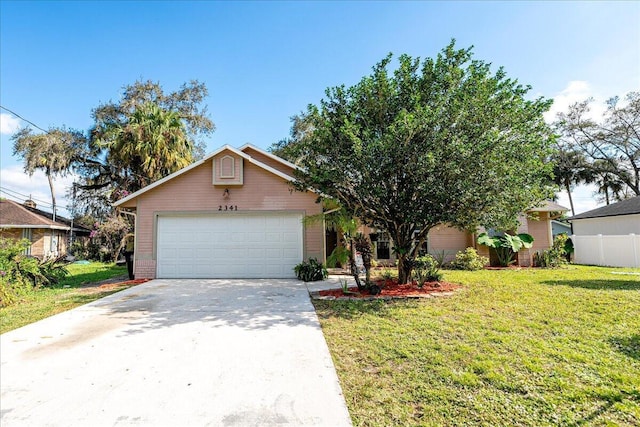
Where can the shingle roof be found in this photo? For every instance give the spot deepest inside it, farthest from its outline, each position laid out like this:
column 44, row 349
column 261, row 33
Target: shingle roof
column 549, row 206
column 626, row 207
column 13, row 214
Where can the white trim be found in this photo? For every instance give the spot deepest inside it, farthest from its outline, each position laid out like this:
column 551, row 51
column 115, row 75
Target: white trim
column 200, row 162
column 271, row 156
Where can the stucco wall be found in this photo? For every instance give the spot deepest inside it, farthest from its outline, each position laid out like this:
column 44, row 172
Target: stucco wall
column 193, row 191
column 540, row 228
column 448, row 240
column 612, row 225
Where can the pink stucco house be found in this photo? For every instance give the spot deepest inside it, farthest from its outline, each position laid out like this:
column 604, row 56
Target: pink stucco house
column 232, row 214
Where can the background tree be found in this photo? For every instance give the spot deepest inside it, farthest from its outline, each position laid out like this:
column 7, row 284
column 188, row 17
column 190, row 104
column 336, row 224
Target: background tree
column 293, row 148
column 608, row 184
column 54, row 152
column 444, row 140
column 611, row 145
column 570, row 168
column 144, row 137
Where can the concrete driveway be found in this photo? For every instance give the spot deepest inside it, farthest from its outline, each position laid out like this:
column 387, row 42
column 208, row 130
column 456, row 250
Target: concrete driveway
column 175, row 353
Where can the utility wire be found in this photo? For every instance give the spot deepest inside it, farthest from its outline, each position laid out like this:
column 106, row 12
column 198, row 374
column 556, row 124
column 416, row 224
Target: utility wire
column 17, row 195
column 22, row 118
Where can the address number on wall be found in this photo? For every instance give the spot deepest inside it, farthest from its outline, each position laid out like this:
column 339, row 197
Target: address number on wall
column 228, row 208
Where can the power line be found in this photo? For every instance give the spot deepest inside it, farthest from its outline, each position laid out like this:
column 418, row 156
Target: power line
column 22, row 118
column 17, row 194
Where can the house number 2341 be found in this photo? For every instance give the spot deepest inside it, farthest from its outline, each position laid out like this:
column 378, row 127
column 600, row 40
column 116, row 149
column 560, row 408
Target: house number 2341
column 228, row 208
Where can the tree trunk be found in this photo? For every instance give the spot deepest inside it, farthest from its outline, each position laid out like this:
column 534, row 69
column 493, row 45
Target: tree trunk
column 405, row 266
column 353, row 266
column 567, row 185
column 53, row 194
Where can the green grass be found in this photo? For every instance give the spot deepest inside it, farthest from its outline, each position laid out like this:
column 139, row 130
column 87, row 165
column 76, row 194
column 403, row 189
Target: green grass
column 45, row 302
column 514, row 347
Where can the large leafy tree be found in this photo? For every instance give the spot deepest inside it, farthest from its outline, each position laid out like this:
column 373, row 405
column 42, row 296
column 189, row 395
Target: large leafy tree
column 144, row 137
column 54, row 152
column 611, row 144
column 443, row 140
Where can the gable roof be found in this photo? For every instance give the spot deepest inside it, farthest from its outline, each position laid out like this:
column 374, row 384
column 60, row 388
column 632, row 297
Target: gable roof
column 270, row 155
column 204, row 160
column 16, row 215
column 626, row 207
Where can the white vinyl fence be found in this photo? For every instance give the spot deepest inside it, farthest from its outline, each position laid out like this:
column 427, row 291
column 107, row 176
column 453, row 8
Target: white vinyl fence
column 612, row 251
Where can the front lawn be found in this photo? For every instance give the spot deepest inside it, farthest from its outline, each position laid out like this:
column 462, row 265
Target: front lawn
column 514, row 347
column 68, row 294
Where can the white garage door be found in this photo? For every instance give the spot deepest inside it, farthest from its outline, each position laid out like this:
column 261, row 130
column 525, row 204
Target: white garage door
column 233, row 245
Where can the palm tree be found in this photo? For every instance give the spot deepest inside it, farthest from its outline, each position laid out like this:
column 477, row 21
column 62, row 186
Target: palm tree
column 570, row 168
column 53, row 152
column 607, row 182
column 150, row 145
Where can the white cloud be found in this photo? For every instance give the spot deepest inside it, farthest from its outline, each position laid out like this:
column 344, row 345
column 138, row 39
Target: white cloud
column 17, row 185
column 576, row 91
column 8, row 124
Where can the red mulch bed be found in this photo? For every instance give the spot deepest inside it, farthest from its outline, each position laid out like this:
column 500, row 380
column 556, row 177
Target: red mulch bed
column 119, row 284
column 391, row 288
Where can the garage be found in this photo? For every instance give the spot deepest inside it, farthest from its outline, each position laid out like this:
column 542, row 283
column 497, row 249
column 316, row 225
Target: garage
column 229, row 245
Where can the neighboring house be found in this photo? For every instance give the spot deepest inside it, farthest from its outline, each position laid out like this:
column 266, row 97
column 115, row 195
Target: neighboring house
column 445, row 241
column 609, row 235
column 232, row 214
column 619, row 218
column 560, row 227
column 48, row 237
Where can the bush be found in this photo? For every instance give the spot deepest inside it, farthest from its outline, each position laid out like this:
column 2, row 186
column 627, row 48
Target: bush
column 311, row 271
column 12, row 281
column 469, row 260
column 426, row 269
column 19, row 273
column 554, row 257
column 107, row 239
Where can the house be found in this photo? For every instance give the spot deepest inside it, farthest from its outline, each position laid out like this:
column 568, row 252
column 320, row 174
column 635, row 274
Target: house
column 232, row 214
column 560, row 227
column 445, row 241
column 619, row 218
column 609, row 235
column 48, row 237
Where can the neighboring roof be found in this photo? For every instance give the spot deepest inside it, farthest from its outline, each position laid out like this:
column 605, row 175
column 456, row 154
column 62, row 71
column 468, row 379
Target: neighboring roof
column 204, row 160
column 549, row 206
column 626, row 207
column 16, row 215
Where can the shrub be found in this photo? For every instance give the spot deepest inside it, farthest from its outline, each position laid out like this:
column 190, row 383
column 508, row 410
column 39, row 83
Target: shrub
column 554, row 257
column 506, row 245
column 426, row 269
column 19, row 273
column 311, row 271
column 12, row 281
column 107, row 239
column 469, row 260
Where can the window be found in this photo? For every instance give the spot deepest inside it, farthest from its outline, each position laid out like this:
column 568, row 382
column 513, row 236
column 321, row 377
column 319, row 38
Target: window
column 26, row 234
column 383, row 248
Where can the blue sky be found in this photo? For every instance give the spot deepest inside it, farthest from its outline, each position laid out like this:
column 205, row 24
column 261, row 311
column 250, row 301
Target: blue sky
column 265, row 61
